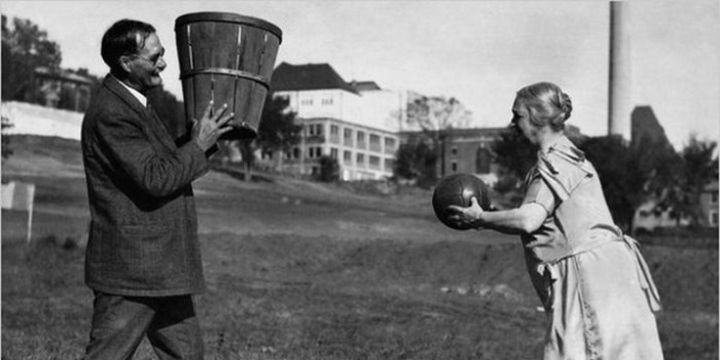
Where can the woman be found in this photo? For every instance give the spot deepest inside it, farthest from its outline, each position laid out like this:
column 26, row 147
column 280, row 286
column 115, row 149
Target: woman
column 592, row 280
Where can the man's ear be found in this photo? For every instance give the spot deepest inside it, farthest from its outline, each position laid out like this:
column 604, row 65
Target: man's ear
column 125, row 63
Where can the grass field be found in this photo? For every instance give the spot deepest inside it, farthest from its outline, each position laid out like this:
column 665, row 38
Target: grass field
column 299, row 270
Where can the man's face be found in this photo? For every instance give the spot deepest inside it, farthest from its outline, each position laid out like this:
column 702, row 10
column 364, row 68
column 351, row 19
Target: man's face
column 145, row 67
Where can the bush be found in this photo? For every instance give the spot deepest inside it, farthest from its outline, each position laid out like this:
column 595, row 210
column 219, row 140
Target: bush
column 329, row 169
column 680, row 237
column 686, row 232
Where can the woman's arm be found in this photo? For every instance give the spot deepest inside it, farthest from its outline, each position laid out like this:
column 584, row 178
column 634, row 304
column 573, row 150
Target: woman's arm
column 524, row 219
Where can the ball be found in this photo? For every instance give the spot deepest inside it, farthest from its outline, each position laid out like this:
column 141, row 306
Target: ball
column 458, row 189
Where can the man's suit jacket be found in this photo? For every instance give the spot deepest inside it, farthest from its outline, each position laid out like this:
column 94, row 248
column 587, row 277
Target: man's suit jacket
column 143, row 232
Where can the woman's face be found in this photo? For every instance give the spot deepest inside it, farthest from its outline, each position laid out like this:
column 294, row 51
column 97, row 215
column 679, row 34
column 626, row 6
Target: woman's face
column 521, row 122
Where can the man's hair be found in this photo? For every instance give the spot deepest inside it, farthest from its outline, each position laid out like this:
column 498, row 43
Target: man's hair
column 125, row 37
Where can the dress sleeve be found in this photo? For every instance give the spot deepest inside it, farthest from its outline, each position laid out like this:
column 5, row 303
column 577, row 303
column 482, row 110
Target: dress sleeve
column 537, row 191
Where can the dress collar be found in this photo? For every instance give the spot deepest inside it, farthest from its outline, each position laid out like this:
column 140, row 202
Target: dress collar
column 562, row 148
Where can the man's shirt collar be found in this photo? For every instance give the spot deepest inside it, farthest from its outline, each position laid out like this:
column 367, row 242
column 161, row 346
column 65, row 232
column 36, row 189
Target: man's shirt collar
column 141, row 98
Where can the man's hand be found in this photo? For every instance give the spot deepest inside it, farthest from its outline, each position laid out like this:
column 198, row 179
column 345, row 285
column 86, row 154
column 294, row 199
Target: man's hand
column 467, row 216
column 206, row 131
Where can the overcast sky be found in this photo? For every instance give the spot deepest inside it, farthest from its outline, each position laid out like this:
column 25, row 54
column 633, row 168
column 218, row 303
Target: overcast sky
column 479, row 52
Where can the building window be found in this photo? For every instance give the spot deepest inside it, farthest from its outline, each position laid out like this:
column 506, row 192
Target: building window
column 326, row 101
column 334, row 134
column 390, row 144
column 334, row 153
column 306, row 101
column 315, row 129
column 314, row 152
column 374, row 162
column 347, row 137
column 296, row 153
column 347, row 157
column 375, row 142
column 360, row 140
column 389, row 164
column 454, row 151
column 360, row 159
column 714, row 218
column 714, row 198
column 453, row 166
column 483, row 158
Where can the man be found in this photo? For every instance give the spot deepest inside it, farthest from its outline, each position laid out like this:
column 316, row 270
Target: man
column 143, row 257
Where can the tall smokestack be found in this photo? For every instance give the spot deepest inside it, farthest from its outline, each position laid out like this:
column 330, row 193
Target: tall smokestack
column 620, row 82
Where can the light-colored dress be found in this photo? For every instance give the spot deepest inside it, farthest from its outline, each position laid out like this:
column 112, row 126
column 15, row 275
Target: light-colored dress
column 594, row 284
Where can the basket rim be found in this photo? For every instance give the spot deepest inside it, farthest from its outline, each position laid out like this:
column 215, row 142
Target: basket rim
column 228, row 17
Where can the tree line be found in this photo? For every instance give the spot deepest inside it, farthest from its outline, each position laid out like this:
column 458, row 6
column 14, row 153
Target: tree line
column 632, row 172
column 26, row 47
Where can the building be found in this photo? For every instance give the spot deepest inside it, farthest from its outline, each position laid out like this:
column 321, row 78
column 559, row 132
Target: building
column 34, row 119
column 62, row 89
column 464, row 151
column 353, row 122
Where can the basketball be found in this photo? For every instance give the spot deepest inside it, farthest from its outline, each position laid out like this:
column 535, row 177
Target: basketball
column 458, row 189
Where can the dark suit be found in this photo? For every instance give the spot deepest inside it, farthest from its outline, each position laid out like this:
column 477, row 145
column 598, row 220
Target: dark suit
column 143, row 245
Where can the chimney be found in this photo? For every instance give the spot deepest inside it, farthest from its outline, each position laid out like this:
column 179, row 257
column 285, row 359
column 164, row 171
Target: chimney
column 620, row 82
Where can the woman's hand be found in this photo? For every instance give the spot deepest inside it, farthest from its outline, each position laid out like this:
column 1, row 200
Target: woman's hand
column 470, row 216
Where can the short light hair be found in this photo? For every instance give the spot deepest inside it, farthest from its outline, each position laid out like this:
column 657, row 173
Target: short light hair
column 546, row 103
column 125, row 37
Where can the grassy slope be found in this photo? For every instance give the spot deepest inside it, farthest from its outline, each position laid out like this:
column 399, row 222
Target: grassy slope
column 299, row 270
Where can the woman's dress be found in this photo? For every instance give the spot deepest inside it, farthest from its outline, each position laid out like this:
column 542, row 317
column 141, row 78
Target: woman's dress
column 595, row 286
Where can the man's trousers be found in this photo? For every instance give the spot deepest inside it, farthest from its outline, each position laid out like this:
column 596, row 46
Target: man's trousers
column 119, row 324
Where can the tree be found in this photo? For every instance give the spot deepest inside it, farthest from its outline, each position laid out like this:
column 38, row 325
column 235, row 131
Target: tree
column 620, row 176
column 278, row 132
column 24, row 48
column 515, row 155
column 435, row 113
column 329, row 169
column 432, row 116
column 416, row 161
column 631, row 174
column 699, row 168
column 246, row 147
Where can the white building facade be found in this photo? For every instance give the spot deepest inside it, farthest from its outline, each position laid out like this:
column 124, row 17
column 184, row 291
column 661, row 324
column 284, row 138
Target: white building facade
column 355, row 123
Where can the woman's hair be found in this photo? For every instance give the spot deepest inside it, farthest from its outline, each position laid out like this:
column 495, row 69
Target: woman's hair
column 546, row 104
column 125, row 37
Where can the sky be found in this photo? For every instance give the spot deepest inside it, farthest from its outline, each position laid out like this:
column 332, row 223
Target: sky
column 480, row 52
